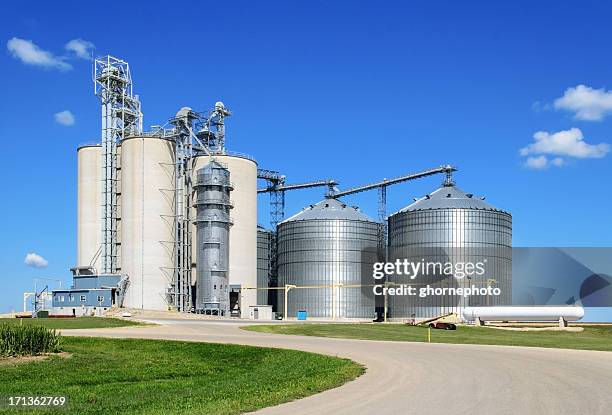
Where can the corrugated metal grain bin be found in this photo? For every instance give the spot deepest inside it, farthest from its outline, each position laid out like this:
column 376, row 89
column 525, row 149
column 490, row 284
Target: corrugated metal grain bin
column 450, row 225
column 327, row 244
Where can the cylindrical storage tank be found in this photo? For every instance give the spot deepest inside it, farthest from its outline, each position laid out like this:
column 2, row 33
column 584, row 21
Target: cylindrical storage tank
column 89, row 209
column 520, row 313
column 147, row 222
column 328, row 245
column 450, row 226
column 243, row 235
column 264, row 238
column 213, row 229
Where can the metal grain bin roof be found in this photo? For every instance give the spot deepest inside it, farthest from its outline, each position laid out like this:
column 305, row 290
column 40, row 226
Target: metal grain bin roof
column 330, row 209
column 449, row 197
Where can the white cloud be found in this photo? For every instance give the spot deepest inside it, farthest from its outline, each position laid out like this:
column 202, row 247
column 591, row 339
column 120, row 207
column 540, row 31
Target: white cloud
column 80, row 48
column 34, row 260
column 558, row 162
column 586, row 103
column 542, row 162
column 537, row 163
column 568, row 143
column 30, row 54
column 64, row 118
column 539, row 107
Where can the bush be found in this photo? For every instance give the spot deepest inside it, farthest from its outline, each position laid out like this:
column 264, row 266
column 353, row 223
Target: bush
column 27, row 340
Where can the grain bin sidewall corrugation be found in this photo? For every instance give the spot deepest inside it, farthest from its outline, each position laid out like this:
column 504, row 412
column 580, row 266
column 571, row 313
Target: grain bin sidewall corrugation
column 325, row 252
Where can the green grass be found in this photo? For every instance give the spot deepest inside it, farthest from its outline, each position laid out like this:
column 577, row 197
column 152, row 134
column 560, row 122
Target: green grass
column 71, row 323
column 110, row 376
column 592, row 338
column 27, row 340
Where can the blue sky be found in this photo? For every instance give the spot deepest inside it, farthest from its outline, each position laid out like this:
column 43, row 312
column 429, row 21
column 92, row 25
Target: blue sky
column 349, row 90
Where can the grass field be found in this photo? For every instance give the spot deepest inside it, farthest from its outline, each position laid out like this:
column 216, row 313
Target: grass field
column 111, row 376
column 72, row 323
column 592, row 338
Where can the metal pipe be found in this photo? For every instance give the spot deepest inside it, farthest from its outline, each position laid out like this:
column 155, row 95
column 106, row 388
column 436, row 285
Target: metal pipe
column 296, row 186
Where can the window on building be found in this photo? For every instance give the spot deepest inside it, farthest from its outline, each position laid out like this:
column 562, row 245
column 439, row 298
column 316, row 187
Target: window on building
column 100, row 298
column 70, row 297
column 61, row 298
column 83, row 298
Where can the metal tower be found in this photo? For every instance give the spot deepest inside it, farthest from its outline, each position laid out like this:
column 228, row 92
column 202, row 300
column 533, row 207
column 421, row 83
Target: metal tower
column 212, row 131
column 194, row 133
column 182, row 250
column 276, row 187
column 213, row 228
column 274, row 180
column 121, row 116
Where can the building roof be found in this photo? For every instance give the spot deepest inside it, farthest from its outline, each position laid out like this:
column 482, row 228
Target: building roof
column 330, row 209
column 449, row 197
column 213, row 164
column 81, row 290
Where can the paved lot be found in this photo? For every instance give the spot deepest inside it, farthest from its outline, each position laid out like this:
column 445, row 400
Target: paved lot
column 421, row 378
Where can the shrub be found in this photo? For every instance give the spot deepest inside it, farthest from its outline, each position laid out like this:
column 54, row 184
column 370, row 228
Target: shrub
column 27, row 340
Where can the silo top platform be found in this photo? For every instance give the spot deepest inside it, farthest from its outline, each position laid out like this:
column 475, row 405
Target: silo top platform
column 330, row 209
column 449, row 197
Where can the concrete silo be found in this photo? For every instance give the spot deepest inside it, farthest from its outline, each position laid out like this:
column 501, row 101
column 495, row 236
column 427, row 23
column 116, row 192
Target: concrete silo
column 330, row 246
column 136, row 209
column 451, row 226
column 147, row 229
column 89, row 205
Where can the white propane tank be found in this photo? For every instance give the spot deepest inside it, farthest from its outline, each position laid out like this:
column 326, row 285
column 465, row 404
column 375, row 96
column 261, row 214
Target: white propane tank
column 520, row 313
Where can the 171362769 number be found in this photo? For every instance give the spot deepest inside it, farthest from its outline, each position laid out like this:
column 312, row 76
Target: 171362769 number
column 34, row 401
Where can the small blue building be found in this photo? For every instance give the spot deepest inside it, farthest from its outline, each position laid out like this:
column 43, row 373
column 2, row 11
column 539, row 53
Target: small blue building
column 90, row 294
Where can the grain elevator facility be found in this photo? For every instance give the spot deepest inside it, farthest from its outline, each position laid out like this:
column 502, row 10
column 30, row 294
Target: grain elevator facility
column 141, row 203
column 170, row 215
